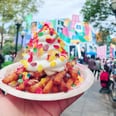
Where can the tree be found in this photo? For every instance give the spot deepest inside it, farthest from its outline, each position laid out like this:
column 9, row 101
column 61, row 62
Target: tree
column 97, row 13
column 102, row 36
column 114, row 41
column 11, row 9
column 9, row 47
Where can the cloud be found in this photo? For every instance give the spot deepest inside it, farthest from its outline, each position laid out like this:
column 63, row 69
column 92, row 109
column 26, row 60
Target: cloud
column 53, row 9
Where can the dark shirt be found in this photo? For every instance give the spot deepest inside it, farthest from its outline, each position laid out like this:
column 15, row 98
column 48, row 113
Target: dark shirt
column 1, row 60
column 91, row 64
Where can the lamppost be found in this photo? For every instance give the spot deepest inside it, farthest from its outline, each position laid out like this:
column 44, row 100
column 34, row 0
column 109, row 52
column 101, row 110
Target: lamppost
column 18, row 25
column 113, row 6
column 22, row 35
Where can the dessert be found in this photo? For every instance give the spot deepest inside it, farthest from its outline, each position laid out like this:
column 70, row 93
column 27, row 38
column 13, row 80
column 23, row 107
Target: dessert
column 45, row 52
column 45, row 66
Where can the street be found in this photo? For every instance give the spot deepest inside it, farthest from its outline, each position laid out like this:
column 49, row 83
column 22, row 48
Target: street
column 92, row 103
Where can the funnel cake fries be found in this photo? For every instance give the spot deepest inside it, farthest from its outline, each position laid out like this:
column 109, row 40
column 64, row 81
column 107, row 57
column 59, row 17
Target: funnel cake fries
column 40, row 82
column 45, row 67
column 10, row 78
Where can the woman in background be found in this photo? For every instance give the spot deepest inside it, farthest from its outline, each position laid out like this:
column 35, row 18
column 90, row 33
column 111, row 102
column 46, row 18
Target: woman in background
column 97, row 67
column 105, row 80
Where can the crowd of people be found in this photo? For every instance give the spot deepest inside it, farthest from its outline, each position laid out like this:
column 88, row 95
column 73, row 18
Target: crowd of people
column 105, row 71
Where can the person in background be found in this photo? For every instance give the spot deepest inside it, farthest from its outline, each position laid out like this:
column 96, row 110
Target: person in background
column 103, row 61
column 1, row 60
column 105, row 80
column 109, row 64
column 97, row 67
column 91, row 63
column 104, row 77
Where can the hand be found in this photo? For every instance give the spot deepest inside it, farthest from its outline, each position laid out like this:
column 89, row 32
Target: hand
column 13, row 106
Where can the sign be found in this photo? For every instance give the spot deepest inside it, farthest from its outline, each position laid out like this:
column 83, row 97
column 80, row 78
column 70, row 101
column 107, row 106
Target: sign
column 75, row 19
column 101, row 52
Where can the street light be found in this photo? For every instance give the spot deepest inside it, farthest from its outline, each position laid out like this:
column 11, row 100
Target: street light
column 18, row 24
column 113, row 6
column 22, row 35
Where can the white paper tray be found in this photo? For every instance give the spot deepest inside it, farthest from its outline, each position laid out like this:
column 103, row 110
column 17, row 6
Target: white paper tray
column 87, row 83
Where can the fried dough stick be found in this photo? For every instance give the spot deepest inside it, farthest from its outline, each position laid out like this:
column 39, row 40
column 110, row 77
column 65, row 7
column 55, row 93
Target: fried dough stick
column 55, row 88
column 63, row 86
column 58, row 77
column 26, row 84
column 74, row 74
column 34, row 87
column 40, row 84
column 69, row 83
column 21, row 86
column 12, row 77
column 48, row 87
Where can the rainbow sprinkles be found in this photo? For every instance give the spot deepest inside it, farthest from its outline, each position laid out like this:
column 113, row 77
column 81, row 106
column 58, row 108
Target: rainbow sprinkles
column 45, row 67
column 45, row 51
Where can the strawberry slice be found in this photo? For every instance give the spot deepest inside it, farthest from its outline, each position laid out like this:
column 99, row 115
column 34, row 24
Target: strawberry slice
column 50, row 40
column 56, row 46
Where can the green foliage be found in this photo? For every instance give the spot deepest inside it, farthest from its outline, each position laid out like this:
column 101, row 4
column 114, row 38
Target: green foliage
column 97, row 13
column 103, row 38
column 96, row 9
column 6, row 63
column 9, row 9
column 9, row 47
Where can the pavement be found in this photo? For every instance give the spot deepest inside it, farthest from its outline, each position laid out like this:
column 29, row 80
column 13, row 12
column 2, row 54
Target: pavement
column 92, row 103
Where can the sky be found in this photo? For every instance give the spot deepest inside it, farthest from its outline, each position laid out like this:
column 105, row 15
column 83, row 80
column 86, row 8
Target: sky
column 53, row 9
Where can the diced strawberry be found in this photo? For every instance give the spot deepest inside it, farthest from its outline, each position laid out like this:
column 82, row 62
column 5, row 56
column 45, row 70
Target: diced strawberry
column 49, row 40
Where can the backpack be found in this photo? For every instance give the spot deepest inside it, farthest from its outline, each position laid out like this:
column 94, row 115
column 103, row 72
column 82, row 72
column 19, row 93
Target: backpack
column 104, row 79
